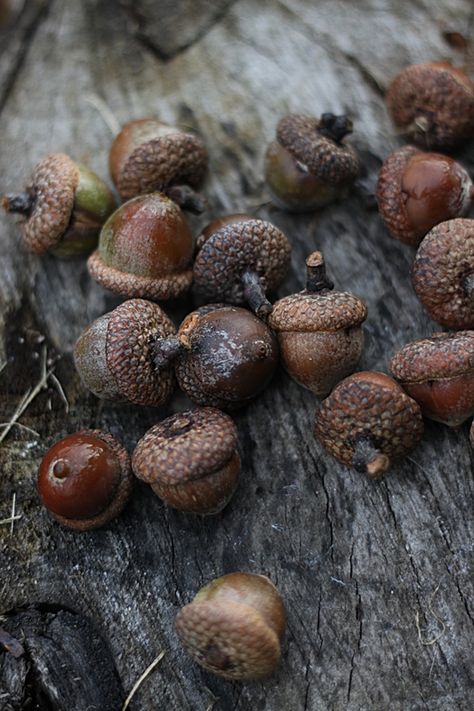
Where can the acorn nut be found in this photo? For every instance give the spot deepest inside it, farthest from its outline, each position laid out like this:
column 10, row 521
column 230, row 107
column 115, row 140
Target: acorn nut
column 433, row 104
column 240, row 261
column 443, row 273
column 114, row 355
column 145, row 250
column 191, row 460
column 85, row 480
column 234, row 626
column 368, row 423
column 224, row 356
column 438, row 372
column 309, row 164
column 319, row 330
column 417, row 191
column 148, row 156
column 63, row 207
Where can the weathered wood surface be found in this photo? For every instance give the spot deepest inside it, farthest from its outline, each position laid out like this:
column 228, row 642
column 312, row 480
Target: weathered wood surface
column 377, row 577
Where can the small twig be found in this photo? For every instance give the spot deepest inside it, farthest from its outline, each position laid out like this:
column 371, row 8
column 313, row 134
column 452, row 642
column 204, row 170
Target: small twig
column 3, row 366
column 140, row 681
column 107, row 116
column 13, row 516
column 22, row 427
column 61, row 392
column 429, row 642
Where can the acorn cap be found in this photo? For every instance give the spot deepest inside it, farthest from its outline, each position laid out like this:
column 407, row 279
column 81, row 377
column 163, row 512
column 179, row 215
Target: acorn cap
column 250, row 244
column 307, row 312
column 185, row 446
column 333, row 161
column 443, row 355
column 166, row 156
column 53, row 186
column 444, row 260
column 390, row 197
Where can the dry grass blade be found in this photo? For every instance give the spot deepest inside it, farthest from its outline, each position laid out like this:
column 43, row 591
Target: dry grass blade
column 106, row 114
column 140, row 681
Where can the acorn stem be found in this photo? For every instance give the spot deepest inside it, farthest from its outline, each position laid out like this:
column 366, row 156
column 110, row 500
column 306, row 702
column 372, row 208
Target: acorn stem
column 187, row 198
column 166, row 350
column 22, row 203
column 468, row 284
column 254, row 294
column 334, row 127
column 368, row 459
column 316, row 277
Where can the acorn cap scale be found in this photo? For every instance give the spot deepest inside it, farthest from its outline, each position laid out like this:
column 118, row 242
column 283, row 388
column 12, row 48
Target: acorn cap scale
column 308, row 312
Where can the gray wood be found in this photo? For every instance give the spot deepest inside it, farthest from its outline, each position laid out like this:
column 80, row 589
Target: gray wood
column 377, row 577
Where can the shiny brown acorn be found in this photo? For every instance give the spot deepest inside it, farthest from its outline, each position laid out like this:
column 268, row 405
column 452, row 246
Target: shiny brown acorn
column 368, row 423
column 319, row 330
column 433, row 104
column 443, row 273
column 438, row 372
column 224, row 356
column 239, row 259
column 145, row 250
column 417, row 191
column 234, row 626
column 85, row 480
column 63, row 207
column 148, row 156
column 114, row 355
column 190, row 460
column 310, row 164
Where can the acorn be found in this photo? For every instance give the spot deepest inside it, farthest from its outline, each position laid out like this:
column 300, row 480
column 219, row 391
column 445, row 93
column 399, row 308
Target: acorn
column 417, row 191
column 438, row 372
column 240, row 260
column 114, row 355
column 63, row 207
column 149, row 156
column 368, row 423
column 234, row 626
column 224, row 356
column 85, row 480
column 319, row 330
column 145, row 250
column 309, row 164
column 433, row 104
column 443, row 273
column 191, row 460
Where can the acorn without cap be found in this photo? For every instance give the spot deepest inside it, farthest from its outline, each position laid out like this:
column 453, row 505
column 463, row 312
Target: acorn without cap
column 239, row 259
column 190, row 460
column 417, row 191
column 438, row 372
column 368, row 423
column 309, row 164
column 114, row 355
column 63, row 206
column 234, row 626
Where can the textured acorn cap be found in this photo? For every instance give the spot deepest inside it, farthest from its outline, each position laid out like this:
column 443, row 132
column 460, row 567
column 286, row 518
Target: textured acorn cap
column 308, row 312
column 166, row 156
column 53, row 186
column 250, row 244
column 442, row 355
column 443, row 261
column 332, row 161
column 390, row 197
column 185, row 446
column 360, row 409
column 437, row 93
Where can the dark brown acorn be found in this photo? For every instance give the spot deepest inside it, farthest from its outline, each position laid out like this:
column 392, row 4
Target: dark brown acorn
column 438, row 372
column 191, row 460
column 114, row 355
column 443, row 273
column 417, row 191
column 145, row 250
column 224, row 356
column 240, row 261
column 319, row 330
column 234, row 626
column 368, row 423
column 85, row 479
column 310, row 165
column 433, row 104
column 63, row 207
column 148, row 156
